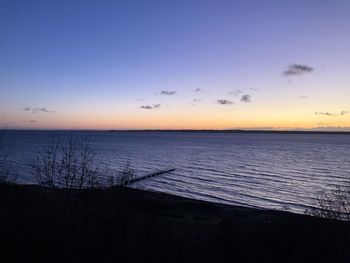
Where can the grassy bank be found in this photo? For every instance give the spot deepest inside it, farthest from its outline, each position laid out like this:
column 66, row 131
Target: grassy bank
column 128, row 225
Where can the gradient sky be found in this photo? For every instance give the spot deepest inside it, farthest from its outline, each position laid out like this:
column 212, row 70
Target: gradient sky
column 175, row 64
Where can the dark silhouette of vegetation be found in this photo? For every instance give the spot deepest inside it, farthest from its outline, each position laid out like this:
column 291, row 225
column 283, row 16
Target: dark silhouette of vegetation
column 4, row 172
column 73, row 164
column 124, row 176
column 334, row 204
column 68, row 165
column 7, row 174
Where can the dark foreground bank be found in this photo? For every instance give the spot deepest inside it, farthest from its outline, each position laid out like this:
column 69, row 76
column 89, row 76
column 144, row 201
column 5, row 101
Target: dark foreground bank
column 128, row 225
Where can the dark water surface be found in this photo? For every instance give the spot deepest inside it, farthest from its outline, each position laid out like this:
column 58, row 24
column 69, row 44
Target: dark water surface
column 267, row 170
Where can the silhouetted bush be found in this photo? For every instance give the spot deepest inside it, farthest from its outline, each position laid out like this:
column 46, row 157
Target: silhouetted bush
column 73, row 164
column 333, row 205
column 126, row 174
column 69, row 165
column 4, row 167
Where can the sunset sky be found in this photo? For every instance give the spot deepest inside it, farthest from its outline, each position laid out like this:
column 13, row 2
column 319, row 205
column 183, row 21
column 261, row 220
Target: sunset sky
column 175, row 64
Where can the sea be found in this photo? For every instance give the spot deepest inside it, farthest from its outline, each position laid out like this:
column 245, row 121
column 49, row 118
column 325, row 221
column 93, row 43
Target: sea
column 282, row 171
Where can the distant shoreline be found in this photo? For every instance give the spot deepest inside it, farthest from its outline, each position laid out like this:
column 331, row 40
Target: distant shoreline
column 192, row 131
column 240, row 131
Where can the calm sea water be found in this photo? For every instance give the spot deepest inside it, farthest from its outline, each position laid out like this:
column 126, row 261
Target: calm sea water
column 278, row 171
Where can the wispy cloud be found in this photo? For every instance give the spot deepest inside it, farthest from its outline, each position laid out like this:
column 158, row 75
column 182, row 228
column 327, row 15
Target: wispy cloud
column 331, row 114
column 224, row 102
column 235, row 92
column 324, row 113
column 198, row 90
column 303, row 97
column 253, row 89
column 238, row 92
column 195, row 102
column 146, row 107
column 297, row 69
column 168, row 92
column 246, row 98
column 32, row 121
column 36, row 110
column 150, row 107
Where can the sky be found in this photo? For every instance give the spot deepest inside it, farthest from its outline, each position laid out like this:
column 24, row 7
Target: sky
column 185, row 64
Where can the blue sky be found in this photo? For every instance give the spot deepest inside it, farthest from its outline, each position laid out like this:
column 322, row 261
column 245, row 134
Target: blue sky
column 104, row 64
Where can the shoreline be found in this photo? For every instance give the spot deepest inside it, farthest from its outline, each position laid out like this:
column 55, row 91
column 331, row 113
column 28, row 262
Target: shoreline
column 230, row 131
column 110, row 225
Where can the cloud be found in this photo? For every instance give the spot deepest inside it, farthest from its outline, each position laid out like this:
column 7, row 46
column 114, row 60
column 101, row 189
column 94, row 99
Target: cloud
column 195, row 102
column 168, row 92
column 303, row 97
column 342, row 113
column 235, row 92
column 324, row 113
column 36, row 110
column 43, row 110
column 253, row 89
column 150, row 107
column 238, row 92
column 224, row 102
column 297, row 70
column 246, row 98
column 199, row 90
column 146, row 107
column 32, row 121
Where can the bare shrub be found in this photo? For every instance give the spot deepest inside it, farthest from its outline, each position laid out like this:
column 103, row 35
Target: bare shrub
column 4, row 166
column 125, row 175
column 46, row 165
column 2, row 157
column 333, row 205
column 69, row 165
column 73, row 164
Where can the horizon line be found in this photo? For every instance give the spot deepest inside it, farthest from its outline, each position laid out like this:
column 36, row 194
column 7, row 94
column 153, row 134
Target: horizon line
column 297, row 130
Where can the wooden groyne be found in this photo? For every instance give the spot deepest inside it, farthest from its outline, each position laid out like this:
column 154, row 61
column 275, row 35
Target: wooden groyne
column 134, row 180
